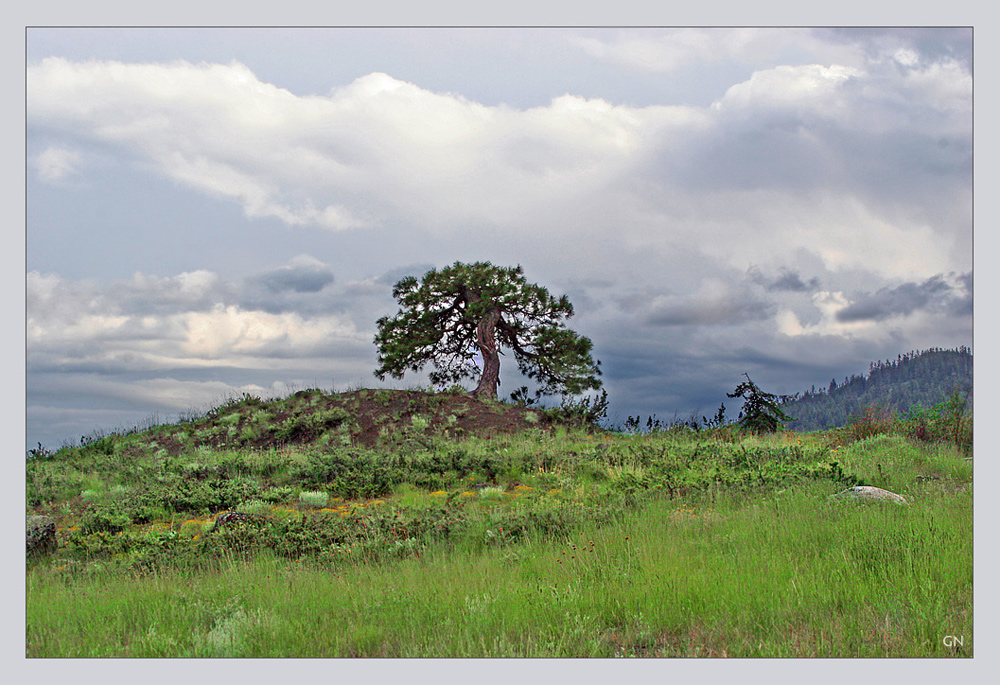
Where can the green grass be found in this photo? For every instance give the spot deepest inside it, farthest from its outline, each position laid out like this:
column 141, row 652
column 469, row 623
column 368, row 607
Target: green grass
column 786, row 574
column 559, row 544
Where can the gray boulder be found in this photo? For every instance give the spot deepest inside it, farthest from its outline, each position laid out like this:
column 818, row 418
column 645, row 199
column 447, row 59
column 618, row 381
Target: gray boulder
column 868, row 493
column 40, row 535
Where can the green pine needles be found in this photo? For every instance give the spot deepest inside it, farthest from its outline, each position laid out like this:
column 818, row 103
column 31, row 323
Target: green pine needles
column 463, row 310
column 761, row 411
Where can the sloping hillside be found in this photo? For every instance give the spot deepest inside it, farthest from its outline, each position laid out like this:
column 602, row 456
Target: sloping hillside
column 926, row 378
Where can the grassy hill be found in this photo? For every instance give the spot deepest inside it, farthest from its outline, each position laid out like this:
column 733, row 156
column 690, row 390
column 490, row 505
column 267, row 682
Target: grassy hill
column 409, row 523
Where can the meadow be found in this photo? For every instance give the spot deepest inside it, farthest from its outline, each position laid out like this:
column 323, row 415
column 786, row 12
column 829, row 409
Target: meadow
column 552, row 540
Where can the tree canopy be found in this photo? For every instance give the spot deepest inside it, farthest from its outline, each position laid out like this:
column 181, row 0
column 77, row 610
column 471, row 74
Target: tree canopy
column 464, row 309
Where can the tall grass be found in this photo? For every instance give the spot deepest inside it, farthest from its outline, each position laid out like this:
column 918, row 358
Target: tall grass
column 789, row 573
column 562, row 544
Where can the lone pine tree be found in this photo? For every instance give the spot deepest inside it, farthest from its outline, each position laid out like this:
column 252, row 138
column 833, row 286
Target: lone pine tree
column 465, row 309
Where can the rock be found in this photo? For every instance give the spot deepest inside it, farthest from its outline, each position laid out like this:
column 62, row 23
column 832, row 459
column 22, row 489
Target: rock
column 234, row 517
column 40, row 535
column 868, row 493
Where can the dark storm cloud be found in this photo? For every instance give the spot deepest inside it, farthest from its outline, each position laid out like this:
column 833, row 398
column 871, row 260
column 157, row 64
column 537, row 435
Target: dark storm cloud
column 786, row 281
column 709, row 314
column 300, row 276
column 715, row 310
column 804, row 152
column 962, row 305
column 307, row 286
column 393, row 276
column 935, row 294
column 934, row 42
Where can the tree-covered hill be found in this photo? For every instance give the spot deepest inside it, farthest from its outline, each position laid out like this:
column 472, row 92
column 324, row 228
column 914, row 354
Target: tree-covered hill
column 925, row 378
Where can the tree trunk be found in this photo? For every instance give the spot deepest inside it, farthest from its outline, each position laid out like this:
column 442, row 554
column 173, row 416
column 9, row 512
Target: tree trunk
column 486, row 333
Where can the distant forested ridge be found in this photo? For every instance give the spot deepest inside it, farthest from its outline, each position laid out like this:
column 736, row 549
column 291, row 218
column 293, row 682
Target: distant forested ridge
column 925, row 378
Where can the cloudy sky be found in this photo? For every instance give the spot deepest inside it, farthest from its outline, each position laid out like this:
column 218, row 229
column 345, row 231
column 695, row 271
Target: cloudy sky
column 218, row 211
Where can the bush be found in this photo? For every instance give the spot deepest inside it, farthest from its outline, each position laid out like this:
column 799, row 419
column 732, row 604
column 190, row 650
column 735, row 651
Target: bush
column 212, row 495
column 314, row 499
column 348, row 474
column 278, row 494
column 587, row 411
column 873, row 420
column 255, row 506
column 105, row 517
column 948, row 421
column 309, row 424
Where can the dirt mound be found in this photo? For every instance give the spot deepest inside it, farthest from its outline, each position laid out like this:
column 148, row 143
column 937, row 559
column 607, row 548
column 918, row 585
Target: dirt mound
column 381, row 413
column 362, row 417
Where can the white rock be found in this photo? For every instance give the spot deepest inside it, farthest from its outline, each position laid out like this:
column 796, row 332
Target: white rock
column 868, row 493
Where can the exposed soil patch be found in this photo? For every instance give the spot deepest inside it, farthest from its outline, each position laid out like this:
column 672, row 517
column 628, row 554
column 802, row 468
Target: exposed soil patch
column 362, row 417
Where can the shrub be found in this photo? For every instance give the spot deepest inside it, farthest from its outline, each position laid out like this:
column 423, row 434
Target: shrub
column 948, row 421
column 348, row 474
column 309, row 424
column 491, row 493
column 314, row 499
column 195, row 496
column 196, row 470
column 255, row 506
column 587, row 411
column 873, row 420
column 278, row 494
column 105, row 517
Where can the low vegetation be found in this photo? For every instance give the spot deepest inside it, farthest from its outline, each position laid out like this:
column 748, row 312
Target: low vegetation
column 420, row 524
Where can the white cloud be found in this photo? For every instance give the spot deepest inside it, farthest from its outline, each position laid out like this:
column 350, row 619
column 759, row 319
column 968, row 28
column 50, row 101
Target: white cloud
column 377, row 143
column 944, row 85
column 384, row 151
column 906, row 57
column 151, row 323
column 743, row 228
column 232, row 334
column 55, row 163
column 808, row 86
